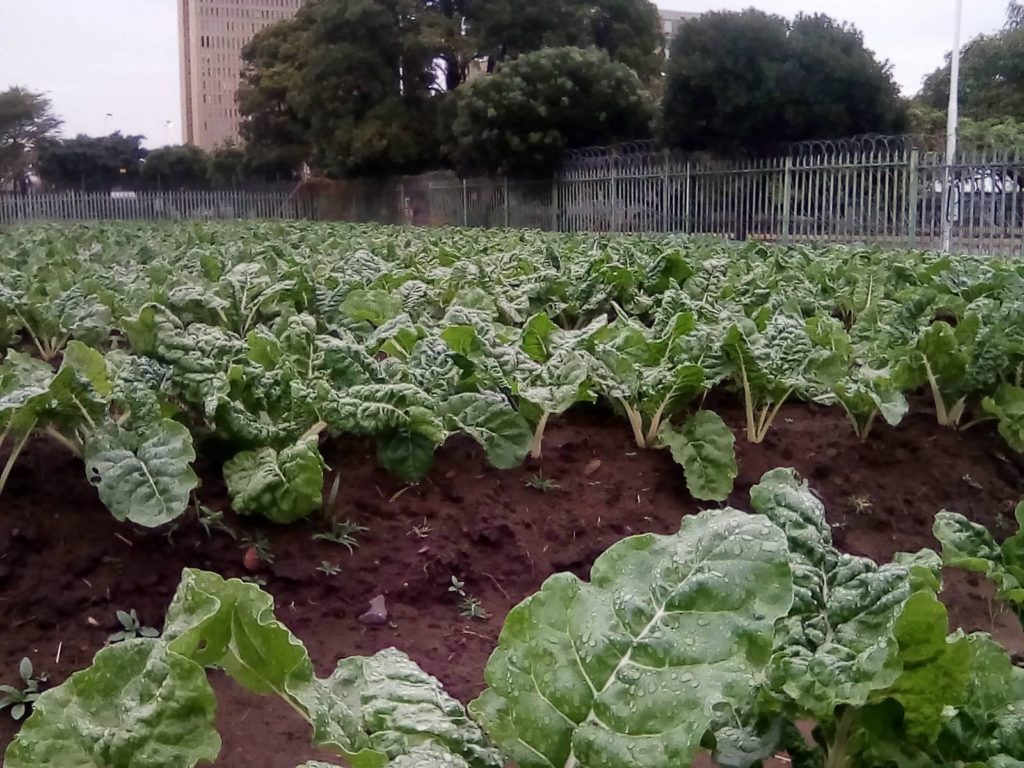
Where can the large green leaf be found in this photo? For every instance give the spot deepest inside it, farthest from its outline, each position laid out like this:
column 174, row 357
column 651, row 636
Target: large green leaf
column 145, row 477
column 281, row 486
column 625, row 670
column 489, row 419
column 838, row 645
column 401, row 708
column 137, row 705
column 970, row 546
column 1007, row 405
column 705, row 448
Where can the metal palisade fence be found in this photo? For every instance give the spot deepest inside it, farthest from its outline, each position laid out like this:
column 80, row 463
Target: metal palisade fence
column 886, row 190
column 154, row 206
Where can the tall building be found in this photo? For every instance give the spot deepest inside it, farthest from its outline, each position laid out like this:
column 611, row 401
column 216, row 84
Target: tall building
column 670, row 21
column 211, row 35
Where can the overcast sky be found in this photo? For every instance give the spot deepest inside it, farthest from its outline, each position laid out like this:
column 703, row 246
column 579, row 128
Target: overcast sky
column 113, row 64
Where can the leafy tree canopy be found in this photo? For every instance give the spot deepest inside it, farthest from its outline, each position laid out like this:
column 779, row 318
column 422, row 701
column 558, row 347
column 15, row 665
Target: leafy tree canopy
column 750, row 80
column 629, row 30
column 91, row 162
column 521, row 119
column 991, row 74
column 26, row 120
column 175, row 167
column 359, row 87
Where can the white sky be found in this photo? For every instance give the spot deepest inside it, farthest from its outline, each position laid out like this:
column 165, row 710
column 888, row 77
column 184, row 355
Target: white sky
column 96, row 58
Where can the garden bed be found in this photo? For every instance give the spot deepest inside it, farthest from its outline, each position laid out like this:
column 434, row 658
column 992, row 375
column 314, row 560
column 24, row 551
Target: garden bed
column 66, row 565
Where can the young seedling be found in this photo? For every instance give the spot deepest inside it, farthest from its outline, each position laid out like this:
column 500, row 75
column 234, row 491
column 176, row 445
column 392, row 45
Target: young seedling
column 861, row 504
column 541, row 483
column 328, row 568
column 420, row 531
column 213, row 520
column 20, row 700
column 131, row 628
column 343, row 533
column 469, row 606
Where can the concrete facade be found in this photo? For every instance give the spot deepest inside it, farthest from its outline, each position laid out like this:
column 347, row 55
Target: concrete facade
column 670, row 21
column 211, row 35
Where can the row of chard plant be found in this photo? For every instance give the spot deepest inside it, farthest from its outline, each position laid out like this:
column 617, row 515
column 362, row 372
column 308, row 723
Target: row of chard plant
column 133, row 345
column 724, row 641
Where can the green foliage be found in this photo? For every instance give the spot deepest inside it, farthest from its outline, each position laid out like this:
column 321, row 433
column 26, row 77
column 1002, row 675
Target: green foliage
column 25, row 122
column 345, row 84
column 522, row 118
column 991, row 76
column 741, row 82
column 148, row 701
column 91, row 163
column 628, row 30
column 251, row 337
column 131, row 628
column 20, row 698
column 970, row 546
column 704, row 449
column 176, row 167
column 281, row 486
column 721, row 637
column 626, row 668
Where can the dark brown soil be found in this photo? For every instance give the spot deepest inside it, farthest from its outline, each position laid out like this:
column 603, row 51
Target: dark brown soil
column 66, row 565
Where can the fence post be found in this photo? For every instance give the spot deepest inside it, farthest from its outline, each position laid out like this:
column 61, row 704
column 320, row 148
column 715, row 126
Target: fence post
column 505, row 186
column 912, row 198
column 664, row 192
column 554, row 201
column 687, row 227
column 465, row 205
column 787, row 190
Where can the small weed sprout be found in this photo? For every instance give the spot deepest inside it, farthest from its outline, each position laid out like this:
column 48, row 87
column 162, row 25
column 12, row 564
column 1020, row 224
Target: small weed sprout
column 213, row 520
column 328, row 568
column 861, row 504
column 20, row 699
column 131, row 628
column 541, row 483
column 469, row 606
column 420, row 531
column 343, row 533
column 261, row 544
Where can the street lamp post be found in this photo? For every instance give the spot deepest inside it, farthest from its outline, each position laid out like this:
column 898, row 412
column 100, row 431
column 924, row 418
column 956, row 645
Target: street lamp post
column 952, row 121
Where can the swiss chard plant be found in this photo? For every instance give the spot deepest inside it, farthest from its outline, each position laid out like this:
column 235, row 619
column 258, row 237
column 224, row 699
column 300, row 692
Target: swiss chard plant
column 714, row 642
column 972, row 547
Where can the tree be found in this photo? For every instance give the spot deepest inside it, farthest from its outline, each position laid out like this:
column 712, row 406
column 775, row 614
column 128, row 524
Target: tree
column 25, row 122
column 175, row 167
column 629, row 30
column 521, row 119
column 991, row 75
column 746, row 82
column 271, row 122
column 349, row 80
column 91, row 162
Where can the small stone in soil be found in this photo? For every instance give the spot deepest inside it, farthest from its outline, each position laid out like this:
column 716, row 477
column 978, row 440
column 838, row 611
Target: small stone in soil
column 592, row 466
column 377, row 614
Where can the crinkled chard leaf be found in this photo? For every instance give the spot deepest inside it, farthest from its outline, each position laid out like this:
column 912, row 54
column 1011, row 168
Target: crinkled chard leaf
column 137, row 705
column 837, row 646
column 1007, row 405
column 625, row 670
column 705, row 448
column 489, row 419
column 282, row 486
column 144, row 477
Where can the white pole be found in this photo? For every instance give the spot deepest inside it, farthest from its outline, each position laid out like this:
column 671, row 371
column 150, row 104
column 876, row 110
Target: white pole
column 952, row 122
